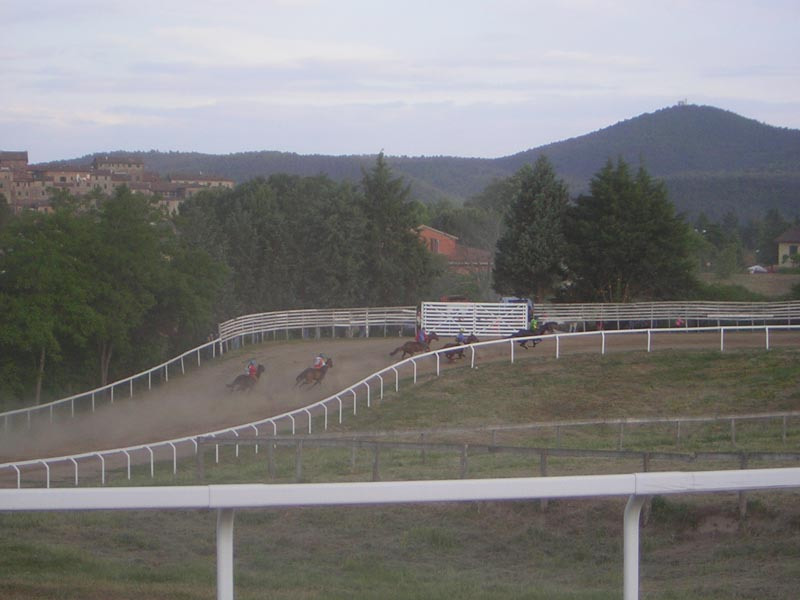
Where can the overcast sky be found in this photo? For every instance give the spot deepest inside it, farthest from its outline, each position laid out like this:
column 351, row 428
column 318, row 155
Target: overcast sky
column 456, row 77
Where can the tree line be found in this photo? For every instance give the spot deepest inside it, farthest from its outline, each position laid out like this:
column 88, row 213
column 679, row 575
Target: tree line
column 103, row 287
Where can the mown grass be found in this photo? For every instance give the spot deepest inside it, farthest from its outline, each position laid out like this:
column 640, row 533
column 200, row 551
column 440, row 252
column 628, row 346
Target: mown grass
column 692, row 546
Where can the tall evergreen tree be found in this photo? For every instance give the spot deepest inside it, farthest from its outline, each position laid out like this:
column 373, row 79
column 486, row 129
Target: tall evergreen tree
column 397, row 266
column 530, row 255
column 626, row 241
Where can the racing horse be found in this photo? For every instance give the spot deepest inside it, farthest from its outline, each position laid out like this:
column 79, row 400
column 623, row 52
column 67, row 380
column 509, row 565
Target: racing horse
column 413, row 347
column 245, row 383
column 313, row 376
column 543, row 329
column 451, row 355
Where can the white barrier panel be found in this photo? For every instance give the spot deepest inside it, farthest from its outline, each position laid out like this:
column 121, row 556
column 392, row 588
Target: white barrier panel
column 226, row 498
column 487, row 318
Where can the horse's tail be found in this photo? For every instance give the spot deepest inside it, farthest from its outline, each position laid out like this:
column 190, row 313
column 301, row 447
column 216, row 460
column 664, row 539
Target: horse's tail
column 395, row 351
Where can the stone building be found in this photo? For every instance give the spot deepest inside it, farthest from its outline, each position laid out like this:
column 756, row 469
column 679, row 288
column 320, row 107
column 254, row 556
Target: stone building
column 27, row 186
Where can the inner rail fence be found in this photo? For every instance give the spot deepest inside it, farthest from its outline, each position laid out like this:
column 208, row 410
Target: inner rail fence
column 225, row 499
column 640, row 315
column 362, row 393
column 232, row 335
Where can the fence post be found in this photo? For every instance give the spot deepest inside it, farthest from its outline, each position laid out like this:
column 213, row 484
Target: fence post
column 543, row 473
column 464, row 465
column 621, row 434
column 200, row 471
column 376, row 476
column 225, row 517
column 742, row 495
column 298, row 461
column 733, row 431
column 271, row 459
column 648, row 503
column 353, row 449
column 424, row 451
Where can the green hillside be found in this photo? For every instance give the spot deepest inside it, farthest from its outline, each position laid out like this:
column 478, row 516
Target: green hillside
column 712, row 161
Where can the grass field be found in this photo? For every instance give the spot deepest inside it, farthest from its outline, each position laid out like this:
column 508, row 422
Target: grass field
column 692, row 547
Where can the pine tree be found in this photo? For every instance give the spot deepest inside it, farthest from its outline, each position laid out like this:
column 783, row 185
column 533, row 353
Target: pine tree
column 530, row 254
column 626, row 241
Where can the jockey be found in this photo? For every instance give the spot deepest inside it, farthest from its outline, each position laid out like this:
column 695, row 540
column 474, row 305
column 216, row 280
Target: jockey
column 461, row 338
column 422, row 337
column 534, row 324
column 319, row 361
column 251, row 368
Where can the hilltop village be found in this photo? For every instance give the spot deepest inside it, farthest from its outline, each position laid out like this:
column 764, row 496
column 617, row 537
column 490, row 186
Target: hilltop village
column 30, row 186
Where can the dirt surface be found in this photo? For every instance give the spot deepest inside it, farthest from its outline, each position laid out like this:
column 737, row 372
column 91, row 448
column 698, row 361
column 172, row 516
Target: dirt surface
column 200, row 402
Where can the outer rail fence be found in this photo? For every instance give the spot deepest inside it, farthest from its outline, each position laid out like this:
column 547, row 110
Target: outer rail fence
column 651, row 315
column 365, row 391
column 232, row 334
column 225, row 499
column 742, row 460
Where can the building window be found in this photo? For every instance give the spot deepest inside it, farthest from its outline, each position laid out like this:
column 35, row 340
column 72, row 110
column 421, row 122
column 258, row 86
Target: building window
column 435, row 246
column 792, row 250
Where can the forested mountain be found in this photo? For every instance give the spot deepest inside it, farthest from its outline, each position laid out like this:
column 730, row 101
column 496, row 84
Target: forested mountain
column 712, row 161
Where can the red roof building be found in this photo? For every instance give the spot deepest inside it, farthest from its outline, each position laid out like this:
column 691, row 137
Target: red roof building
column 460, row 259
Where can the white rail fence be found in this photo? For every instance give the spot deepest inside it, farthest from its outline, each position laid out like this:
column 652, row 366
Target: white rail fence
column 642, row 315
column 225, row 499
column 363, row 392
column 232, row 334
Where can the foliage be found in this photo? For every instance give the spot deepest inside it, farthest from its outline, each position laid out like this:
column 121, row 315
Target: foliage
column 474, row 226
column 530, row 254
column 626, row 242
column 718, row 292
column 397, row 266
column 44, row 295
column 84, row 286
column 310, row 242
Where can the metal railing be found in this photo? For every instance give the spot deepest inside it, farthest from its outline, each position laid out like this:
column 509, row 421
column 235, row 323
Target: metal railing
column 664, row 314
column 225, row 499
column 366, row 390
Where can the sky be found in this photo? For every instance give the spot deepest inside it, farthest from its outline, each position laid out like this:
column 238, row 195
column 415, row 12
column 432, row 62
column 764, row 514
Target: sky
column 474, row 78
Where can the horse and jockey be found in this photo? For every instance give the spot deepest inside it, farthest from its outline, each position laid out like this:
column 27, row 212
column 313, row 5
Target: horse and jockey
column 247, row 380
column 534, row 328
column 314, row 374
column 421, row 343
column 461, row 340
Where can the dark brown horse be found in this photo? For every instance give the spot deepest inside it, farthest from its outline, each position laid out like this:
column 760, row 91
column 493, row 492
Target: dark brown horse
column 544, row 329
column 414, row 347
column 313, row 376
column 245, row 383
column 451, row 355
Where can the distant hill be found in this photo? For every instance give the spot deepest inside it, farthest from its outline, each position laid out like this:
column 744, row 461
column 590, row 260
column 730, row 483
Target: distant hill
column 712, row 160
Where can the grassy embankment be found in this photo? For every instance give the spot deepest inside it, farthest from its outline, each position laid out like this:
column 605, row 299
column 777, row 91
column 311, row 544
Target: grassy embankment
column 692, row 546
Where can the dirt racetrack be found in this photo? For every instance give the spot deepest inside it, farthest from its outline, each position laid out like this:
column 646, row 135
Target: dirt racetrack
column 200, row 402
